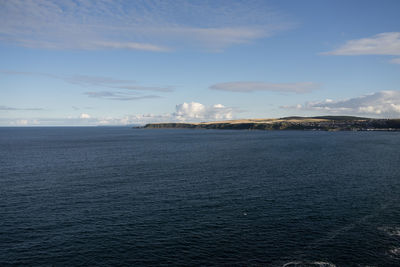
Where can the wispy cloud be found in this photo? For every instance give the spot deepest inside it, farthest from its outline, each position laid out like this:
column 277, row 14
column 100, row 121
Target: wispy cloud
column 5, row 108
column 299, row 87
column 156, row 26
column 124, row 45
column 94, row 81
column 81, row 108
column 85, row 80
column 122, row 96
column 395, row 60
column 387, row 43
column 382, row 104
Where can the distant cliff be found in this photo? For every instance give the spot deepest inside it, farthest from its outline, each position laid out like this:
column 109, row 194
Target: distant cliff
column 322, row 123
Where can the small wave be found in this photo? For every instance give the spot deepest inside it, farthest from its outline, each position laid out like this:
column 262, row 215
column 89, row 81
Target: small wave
column 395, row 252
column 392, row 231
column 308, row 264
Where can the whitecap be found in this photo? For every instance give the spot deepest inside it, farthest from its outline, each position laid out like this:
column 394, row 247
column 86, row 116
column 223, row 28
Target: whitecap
column 292, row 263
column 392, row 231
column 308, row 264
column 395, row 251
column 324, row 264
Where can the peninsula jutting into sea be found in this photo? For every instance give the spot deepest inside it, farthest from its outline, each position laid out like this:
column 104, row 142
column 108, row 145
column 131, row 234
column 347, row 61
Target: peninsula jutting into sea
column 321, row 123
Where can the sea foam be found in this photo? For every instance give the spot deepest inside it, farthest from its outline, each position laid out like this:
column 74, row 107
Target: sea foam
column 308, row 264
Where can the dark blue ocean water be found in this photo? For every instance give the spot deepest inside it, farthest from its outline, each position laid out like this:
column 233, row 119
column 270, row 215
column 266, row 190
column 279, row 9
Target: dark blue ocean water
column 121, row 196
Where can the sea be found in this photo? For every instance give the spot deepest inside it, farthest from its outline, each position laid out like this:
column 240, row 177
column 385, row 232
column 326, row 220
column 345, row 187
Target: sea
column 118, row 196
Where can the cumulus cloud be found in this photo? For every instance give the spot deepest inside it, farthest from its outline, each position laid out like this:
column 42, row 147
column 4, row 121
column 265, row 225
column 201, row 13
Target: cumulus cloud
column 380, row 104
column 197, row 112
column 387, row 43
column 155, row 26
column 21, row 122
column 186, row 112
column 85, row 116
column 299, row 87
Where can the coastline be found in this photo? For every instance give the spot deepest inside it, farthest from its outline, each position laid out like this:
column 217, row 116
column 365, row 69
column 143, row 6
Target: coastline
column 322, row 123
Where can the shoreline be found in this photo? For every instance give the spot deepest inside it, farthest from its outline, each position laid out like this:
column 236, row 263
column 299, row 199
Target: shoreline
column 326, row 123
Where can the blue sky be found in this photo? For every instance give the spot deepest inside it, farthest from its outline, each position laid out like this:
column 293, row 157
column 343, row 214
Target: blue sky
column 127, row 62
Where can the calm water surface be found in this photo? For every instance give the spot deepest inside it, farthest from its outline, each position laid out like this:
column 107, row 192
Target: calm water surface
column 121, row 196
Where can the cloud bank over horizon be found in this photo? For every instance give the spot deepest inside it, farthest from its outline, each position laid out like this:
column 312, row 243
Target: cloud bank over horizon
column 383, row 104
column 185, row 112
column 380, row 104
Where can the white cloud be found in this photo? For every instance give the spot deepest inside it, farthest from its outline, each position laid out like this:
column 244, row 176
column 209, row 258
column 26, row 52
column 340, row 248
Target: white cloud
column 186, row 112
column 84, row 116
column 387, row 43
column 198, row 112
column 380, row 104
column 299, row 87
column 136, row 119
column 136, row 25
column 21, row 122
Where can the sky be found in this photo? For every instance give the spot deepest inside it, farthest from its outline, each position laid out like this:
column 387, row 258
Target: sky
column 105, row 62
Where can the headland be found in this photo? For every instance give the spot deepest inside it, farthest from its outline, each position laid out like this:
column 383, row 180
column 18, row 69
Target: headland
column 321, row 123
